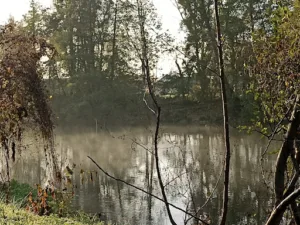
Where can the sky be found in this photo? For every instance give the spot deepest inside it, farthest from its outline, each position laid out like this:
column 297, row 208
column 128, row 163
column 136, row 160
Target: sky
column 166, row 11
column 17, row 8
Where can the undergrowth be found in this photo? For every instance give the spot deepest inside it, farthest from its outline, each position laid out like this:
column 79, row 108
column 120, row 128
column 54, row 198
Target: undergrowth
column 20, row 210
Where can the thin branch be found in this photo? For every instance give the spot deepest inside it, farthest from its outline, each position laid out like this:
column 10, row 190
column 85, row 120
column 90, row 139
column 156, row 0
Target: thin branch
column 146, row 192
column 215, row 188
column 175, row 178
column 157, row 111
column 225, row 115
column 186, row 220
column 286, row 151
column 146, row 103
column 290, row 188
column 281, row 207
column 189, row 181
column 212, row 193
column 182, row 53
column 270, row 139
column 276, row 130
column 141, row 145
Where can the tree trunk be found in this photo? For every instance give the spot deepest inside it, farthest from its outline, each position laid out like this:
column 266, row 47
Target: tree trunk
column 279, row 210
column 113, row 60
column 225, row 117
column 286, row 151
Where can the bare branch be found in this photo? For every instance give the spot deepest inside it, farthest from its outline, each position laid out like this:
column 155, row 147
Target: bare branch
column 277, row 213
column 276, row 130
column 157, row 111
column 146, row 103
column 225, row 115
column 146, row 192
column 175, row 178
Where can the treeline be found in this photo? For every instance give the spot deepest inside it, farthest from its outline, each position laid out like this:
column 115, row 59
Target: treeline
column 97, row 73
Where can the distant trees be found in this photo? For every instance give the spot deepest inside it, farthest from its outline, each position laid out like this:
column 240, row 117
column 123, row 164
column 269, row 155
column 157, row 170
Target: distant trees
column 97, row 42
column 98, row 47
column 238, row 20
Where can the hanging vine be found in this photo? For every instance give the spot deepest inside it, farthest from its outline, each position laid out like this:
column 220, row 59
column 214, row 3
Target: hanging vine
column 23, row 99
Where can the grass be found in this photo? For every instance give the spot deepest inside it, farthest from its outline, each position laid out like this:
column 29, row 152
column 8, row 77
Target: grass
column 20, row 191
column 13, row 215
column 16, row 214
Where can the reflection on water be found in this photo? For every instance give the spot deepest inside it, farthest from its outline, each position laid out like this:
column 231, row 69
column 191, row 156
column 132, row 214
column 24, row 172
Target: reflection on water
column 191, row 162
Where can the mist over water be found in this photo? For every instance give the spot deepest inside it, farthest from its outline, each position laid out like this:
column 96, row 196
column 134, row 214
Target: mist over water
column 191, row 161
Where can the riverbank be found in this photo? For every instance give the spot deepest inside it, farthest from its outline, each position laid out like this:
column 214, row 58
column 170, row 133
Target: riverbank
column 173, row 112
column 15, row 212
column 11, row 214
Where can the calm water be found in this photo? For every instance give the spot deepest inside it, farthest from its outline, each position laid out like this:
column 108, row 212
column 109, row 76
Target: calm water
column 191, row 160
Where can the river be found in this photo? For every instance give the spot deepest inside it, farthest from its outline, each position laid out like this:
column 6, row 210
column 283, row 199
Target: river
column 191, row 160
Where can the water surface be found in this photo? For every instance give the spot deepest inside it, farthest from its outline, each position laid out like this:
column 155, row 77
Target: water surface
column 191, row 161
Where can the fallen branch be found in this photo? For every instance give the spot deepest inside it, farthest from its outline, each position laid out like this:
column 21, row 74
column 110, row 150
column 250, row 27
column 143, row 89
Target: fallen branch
column 146, row 192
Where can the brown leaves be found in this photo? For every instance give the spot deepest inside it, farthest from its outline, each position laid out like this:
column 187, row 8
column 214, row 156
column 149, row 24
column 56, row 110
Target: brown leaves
column 22, row 92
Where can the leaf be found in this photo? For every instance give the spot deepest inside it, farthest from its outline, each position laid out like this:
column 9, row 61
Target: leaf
column 70, row 172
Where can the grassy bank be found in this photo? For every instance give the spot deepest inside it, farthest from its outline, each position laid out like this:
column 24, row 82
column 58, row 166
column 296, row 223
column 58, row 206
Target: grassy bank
column 16, row 213
column 12, row 214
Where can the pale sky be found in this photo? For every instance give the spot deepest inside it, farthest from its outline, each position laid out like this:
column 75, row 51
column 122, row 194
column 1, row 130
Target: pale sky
column 17, row 8
column 166, row 10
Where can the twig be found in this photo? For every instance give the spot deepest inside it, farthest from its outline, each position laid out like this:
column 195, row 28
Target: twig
column 141, row 145
column 189, row 185
column 290, row 188
column 275, row 131
column 146, row 192
column 276, row 214
column 215, row 188
column 212, row 193
column 146, row 103
column 173, row 179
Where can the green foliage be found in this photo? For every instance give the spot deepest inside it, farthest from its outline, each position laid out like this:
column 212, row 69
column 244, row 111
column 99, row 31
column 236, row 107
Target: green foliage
column 239, row 19
column 276, row 73
column 95, row 97
column 19, row 191
column 49, row 202
column 97, row 71
column 99, row 53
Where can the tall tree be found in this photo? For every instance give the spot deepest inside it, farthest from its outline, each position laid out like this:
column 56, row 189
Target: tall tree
column 34, row 19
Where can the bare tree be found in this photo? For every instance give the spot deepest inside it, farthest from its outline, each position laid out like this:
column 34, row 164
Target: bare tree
column 225, row 116
column 157, row 109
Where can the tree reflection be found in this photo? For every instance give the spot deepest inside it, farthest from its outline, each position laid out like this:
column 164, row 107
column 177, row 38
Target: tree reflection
column 191, row 161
